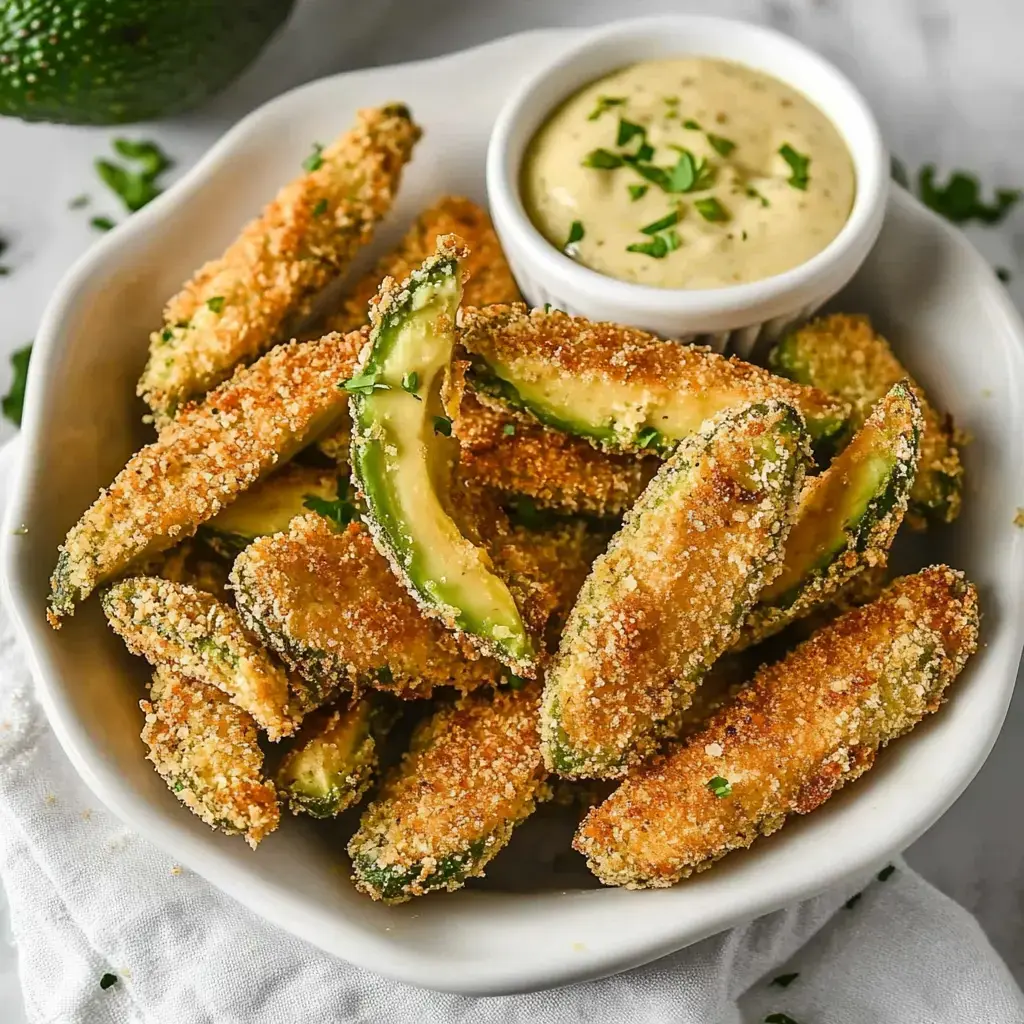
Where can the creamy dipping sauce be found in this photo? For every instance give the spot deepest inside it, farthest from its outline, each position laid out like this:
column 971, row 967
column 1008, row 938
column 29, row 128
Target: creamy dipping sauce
column 688, row 173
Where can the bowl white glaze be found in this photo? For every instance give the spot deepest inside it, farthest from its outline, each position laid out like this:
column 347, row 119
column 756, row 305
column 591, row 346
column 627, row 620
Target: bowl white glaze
column 531, row 923
column 737, row 316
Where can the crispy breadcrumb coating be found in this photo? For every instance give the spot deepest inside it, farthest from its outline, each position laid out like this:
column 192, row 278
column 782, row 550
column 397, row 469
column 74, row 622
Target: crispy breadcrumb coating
column 206, row 750
column 669, row 595
column 615, row 384
column 489, row 277
column 175, row 624
column 239, row 305
column 203, row 461
column 473, row 773
column 803, row 728
column 844, row 355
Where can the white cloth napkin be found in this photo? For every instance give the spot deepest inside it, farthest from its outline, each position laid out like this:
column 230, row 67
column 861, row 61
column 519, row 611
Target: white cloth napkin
column 88, row 897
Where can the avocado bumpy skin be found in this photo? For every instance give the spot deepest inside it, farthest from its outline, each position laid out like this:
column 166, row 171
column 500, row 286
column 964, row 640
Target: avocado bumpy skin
column 116, row 61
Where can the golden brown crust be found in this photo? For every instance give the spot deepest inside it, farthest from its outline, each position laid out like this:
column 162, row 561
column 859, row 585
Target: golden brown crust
column 473, row 773
column 268, row 276
column 802, row 729
column 205, row 459
column 207, row 751
column 489, row 277
column 176, row 625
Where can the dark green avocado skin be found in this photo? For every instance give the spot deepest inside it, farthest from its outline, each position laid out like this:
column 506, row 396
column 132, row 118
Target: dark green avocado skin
column 116, row 61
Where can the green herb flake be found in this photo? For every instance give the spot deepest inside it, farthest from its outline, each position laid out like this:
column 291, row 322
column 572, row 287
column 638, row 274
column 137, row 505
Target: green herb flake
column 602, row 160
column 78, row 202
column 411, row 384
column 637, row 191
column 886, row 873
column 754, row 194
column 215, row 304
column 575, row 235
column 1004, row 274
column 149, row 155
column 320, row 208
column 785, row 980
column 509, row 430
column 646, row 437
column 4, row 271
column 134, row 187
column 315, row 160
column 852, row 901
column 683, row 176
column 723, row 147
column 107, row 980
column 959, row 200
column 799, row 164
column 339, row 511
column 657, row 247
column 711, row 210
column 605, row 103
column 13, row 402
column 627, row 131
column 692, row 125
column 443, row 426
column 719, row 786
column 364, row 384
column 672, row 101
column 669, row 220
column 779, row 1018
column 102, row 223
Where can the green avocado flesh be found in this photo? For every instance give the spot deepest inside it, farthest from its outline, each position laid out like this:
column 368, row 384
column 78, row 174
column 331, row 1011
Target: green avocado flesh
column 401, row 459
column 115, row 61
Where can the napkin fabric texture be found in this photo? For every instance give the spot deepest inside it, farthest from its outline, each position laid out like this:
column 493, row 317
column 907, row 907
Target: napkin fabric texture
column 89, row 897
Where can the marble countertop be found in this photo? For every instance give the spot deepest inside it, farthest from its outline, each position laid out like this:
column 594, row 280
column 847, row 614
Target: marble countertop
column 943, row 77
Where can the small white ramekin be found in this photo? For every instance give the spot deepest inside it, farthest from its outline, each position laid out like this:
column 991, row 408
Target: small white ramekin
column 737, row 316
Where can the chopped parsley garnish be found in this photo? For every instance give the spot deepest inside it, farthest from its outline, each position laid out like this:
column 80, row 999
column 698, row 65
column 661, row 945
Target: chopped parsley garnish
column 509, row 430
column 779, row 1018
column 723, row 147
column 364, row 384
column 340, row 511
column 692, row 125
column 411, row 384
column 798, row 164
column 711, row 209
column 668, row 221
column 320, row 208
column 886, row 873
column 658, row 247
column 627, row 131
column 602, row 159
column 443, row 425
column 13, row 402
column 959, row 200
column 315, row 160
column 107, row 980
column 4, row 271
column 646, row 437
column 103, row 223
column 637, row 191
column 851, row 902
column 78, row 202
column 134, row 187
column 215, row 304
column 672, row 101
column 785, row 980
column 605, row 103
column 575, row 235
column 1004, row 274
column 719, row 786
column 754, row 194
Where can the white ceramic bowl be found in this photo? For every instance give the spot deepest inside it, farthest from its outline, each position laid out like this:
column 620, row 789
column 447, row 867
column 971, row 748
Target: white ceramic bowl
column 532, row 923
column 738, row 316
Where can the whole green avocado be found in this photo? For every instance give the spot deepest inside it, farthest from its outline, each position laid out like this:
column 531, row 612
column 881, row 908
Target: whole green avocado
column 114, row 61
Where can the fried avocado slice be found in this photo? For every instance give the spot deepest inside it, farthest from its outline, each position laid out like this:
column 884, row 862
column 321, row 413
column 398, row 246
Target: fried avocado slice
column 620, row 388
column 489, row 277
column 207, row 751
column 672, row 591
column 203, row 461
column 334, row 758
column 473, row 773
column 847, row 517
column 175, row 624
column 252, row 297
column 843, row 355
column 402, row 454
column 556, row 470
column 800, row 731
column 328, row 603
column 271, row 505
